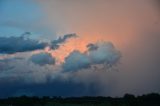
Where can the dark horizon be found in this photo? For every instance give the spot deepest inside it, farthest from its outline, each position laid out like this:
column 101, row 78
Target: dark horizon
column 152, row 99
column 85, row 96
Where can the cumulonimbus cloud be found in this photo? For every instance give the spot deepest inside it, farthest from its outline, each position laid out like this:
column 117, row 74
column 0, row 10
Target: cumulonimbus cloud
column 59, row 75
column 99, row 53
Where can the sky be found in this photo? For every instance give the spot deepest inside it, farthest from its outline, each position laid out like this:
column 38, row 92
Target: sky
column 79, row 47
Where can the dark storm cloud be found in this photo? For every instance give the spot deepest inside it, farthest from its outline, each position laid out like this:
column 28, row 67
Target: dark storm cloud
column 43, row 59
column 55, row 44
column 100, row 53
column 10, row 45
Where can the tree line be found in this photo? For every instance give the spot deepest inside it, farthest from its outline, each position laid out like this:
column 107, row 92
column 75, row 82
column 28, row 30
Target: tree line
column 152, row 99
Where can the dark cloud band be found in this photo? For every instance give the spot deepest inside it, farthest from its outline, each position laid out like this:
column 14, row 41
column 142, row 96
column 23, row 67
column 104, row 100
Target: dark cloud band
column 11, row 45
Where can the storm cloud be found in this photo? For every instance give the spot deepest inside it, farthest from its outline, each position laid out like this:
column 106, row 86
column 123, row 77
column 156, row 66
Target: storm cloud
column 10, row 45
column 55, row 44
column 76, row 61
column 99, row 53
column 105, row 53
column 43, row 59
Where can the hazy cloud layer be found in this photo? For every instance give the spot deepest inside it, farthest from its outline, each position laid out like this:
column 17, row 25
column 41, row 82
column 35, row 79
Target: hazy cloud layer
column 4, row 66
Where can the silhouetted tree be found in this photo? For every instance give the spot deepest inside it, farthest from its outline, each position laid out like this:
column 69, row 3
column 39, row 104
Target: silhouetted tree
column 129, row 96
